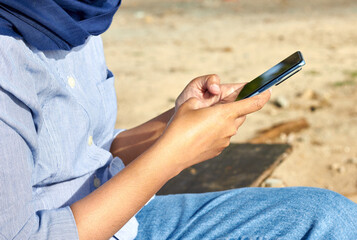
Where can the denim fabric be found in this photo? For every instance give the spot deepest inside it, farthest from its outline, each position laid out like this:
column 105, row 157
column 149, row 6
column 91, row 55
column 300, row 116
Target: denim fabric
column 250, row 213
column 57, row 116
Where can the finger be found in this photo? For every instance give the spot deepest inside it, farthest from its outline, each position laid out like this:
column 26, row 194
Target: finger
column 248, row 105
column 231, row 87
column 239, row 121
column 229, row 92
column 212, row 84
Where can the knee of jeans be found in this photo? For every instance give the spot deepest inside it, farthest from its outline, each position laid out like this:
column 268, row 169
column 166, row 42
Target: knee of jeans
column 323, row 203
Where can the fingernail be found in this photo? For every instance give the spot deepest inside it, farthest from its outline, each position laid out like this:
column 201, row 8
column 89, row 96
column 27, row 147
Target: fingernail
column 271, row 90
column 215, row 88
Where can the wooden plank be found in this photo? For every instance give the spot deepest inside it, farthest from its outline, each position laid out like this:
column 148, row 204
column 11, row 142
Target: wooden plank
column 276, row 130
column 239, row 165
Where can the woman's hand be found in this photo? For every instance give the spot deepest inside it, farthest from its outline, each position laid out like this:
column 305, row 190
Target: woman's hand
column 196, row 134
column 200, row 129
column 129, row 144
column 208, row 91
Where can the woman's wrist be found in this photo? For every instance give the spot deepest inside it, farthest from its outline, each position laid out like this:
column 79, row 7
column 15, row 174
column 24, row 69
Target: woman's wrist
column 129, row 144
column 169, row 157
column 125, row 193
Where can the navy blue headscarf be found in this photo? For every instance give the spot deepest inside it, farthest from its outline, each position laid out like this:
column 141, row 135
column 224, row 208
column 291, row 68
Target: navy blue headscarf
column 56, row 24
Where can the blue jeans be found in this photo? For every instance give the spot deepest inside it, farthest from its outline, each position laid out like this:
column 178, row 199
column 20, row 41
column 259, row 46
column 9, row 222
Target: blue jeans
column 250, row 213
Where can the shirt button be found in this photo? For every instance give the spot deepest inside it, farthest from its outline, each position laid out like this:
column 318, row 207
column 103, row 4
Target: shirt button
column 90, row 140
column 96, row 182
column 71, row 82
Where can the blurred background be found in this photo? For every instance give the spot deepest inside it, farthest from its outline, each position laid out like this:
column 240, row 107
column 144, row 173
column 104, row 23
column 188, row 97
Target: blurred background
column 154, row 48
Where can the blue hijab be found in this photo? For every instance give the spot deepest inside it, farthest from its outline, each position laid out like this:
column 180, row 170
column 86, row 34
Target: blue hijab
column 56, row 24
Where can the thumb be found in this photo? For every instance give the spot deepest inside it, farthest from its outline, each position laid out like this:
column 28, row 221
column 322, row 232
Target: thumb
column 213, row 84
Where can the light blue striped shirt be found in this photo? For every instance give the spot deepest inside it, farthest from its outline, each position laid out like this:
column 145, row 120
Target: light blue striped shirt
column 57, row 116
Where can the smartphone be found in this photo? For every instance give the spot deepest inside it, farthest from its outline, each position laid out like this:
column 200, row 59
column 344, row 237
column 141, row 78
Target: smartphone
column 274, row 76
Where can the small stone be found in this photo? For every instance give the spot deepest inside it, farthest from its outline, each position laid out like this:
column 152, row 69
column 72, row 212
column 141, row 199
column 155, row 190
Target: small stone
column 281, row 38
column 272, row 111
column 287, row 138
column 337, row 167
column 291, row 138
column 316, row 142
column 139, row 14
column 193, row 171
column 324, row 103
column 281, row 102
column 341, row 169
column 283, row 137
column 352, row 161
column 309, row 94
column 313, row 108
column 273, row 182
column 301, row 139
column 227, row 49
column 334, row 166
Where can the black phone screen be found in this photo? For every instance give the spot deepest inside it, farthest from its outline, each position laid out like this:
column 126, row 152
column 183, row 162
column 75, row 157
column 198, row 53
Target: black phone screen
column 272, row 74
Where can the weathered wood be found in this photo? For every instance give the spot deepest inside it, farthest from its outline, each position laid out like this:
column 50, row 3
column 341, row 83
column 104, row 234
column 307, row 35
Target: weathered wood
column 240, row 165
column 276, row 130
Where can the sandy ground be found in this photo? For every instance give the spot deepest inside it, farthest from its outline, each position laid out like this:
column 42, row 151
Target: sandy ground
column 156, row 47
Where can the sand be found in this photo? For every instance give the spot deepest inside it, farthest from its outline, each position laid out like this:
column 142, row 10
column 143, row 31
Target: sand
column 154, row 48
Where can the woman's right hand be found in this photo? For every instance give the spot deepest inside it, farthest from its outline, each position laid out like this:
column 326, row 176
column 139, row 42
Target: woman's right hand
column 198, row 134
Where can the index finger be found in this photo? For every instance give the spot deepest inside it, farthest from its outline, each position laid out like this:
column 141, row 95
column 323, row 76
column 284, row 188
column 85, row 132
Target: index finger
column 230, row 91
column 248, row 105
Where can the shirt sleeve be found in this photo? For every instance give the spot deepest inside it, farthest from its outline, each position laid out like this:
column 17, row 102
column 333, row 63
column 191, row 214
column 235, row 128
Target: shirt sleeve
column 19, row 217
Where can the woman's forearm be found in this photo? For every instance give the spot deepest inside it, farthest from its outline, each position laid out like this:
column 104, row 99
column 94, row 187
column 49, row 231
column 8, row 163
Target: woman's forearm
column 129, row 144
column 193, row 136
column 103, row 212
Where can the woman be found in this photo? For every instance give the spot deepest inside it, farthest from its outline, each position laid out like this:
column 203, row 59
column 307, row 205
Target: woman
column 67, row 174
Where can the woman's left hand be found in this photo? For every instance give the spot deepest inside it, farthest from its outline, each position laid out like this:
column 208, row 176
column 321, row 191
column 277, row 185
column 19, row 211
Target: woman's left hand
column 208, row 90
